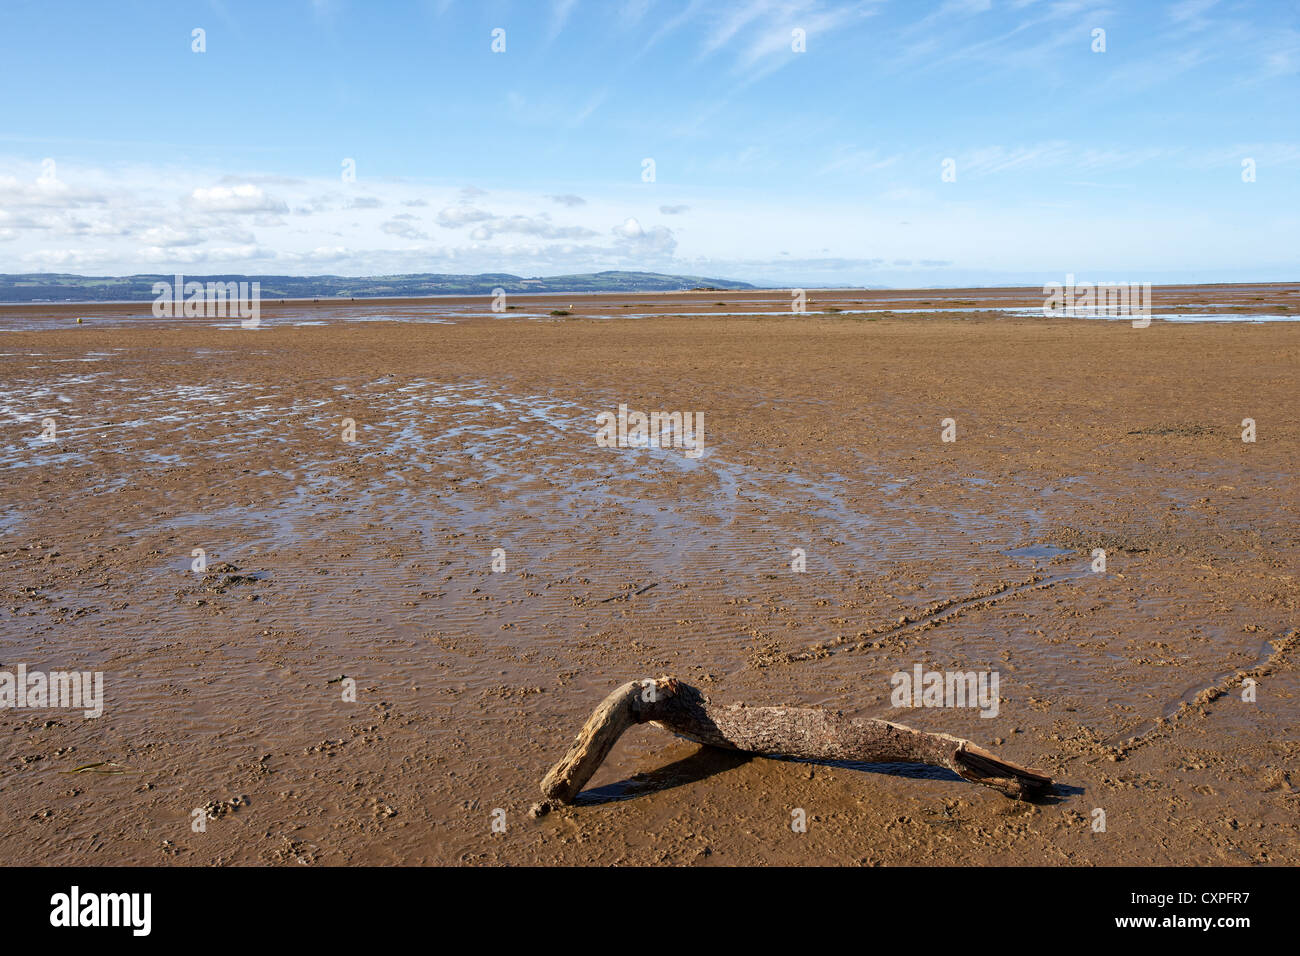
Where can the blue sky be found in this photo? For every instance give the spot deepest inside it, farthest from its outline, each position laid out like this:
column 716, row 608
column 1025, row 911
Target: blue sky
column 122, row 150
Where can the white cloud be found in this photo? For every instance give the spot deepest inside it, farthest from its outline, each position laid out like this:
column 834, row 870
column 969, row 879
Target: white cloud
column 631, row 229
column 45, row 193
column 640, row 242
column 219, row 255
column 46, row 260
column 486, row 225
column 461, row 214
column 403, row 227
column 169, row 237
column 245, row 198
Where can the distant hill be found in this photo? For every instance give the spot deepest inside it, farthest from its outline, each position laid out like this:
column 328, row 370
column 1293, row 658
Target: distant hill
column 57, row 287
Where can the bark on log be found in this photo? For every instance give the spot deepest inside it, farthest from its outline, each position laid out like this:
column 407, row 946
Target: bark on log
column 775, row 732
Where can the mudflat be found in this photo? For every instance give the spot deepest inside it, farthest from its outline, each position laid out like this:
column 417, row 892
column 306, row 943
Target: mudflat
column 481, row 572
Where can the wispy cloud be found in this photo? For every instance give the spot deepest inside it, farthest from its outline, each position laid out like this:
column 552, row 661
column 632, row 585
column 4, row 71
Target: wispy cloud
column 856, row 161
column 561, row 10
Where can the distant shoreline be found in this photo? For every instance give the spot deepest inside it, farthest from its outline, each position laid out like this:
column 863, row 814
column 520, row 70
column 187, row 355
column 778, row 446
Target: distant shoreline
column 7, row 301
column 48, row 288
column 1211, row 303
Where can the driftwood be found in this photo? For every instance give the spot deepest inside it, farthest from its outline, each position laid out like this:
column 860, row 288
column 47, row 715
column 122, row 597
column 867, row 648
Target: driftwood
column 801, row 732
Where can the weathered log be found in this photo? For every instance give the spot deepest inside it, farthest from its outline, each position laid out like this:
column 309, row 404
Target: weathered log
column 801, row 732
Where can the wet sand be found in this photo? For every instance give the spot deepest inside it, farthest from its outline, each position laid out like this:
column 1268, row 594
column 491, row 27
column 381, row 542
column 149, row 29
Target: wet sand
column 373, row 560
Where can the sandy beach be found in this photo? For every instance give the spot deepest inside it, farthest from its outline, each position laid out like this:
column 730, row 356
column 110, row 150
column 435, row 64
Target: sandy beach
column 332, row 561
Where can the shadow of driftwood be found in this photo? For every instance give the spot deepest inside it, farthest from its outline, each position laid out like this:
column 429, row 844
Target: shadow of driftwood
column 911, row 771
column 1059, row 793
column 708, row 761
column 705, row 762
column 923, row 771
